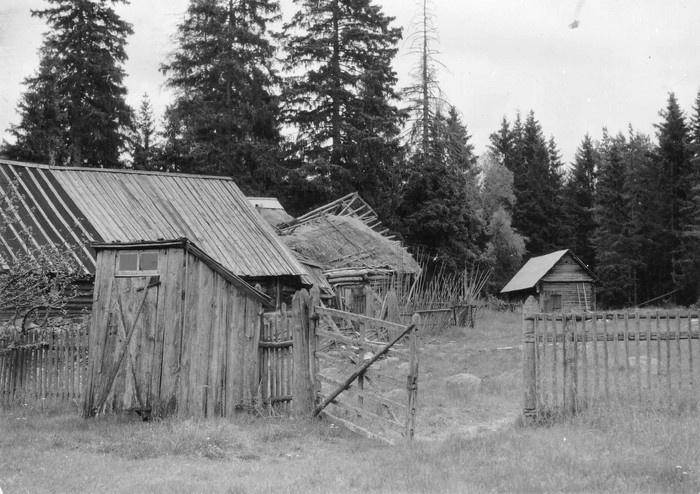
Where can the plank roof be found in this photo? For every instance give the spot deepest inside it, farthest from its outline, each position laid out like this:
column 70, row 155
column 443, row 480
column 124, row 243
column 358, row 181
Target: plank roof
column 79, row 206
column 537, row 268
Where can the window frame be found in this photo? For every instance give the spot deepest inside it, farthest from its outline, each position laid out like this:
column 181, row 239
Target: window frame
column 130, row 273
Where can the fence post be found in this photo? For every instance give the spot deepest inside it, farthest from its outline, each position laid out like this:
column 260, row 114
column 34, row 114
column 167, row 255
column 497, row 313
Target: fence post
column 302, row 389
column 315, row 301
column 412, row 382
column 529, row 363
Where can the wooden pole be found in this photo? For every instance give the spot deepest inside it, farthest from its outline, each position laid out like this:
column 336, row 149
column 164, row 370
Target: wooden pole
column 412, row 381
column 529, row 370
column 302, row 387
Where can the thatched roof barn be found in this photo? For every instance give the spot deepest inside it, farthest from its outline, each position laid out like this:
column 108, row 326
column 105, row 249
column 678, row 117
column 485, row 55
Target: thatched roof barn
column 348, row 249
column 559, row 281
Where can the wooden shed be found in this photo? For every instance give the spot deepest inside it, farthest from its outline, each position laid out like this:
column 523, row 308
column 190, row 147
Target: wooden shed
column 173, row 331
column 559, row 281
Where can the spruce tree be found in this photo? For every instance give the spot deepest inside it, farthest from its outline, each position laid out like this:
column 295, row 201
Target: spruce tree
column 143, row 138
column 674, row 161
column 225, row 117
column 439, row 199
column 74, row 110
column 340, row 98
column 578, row 200
column 536, row 165
column 611, row 235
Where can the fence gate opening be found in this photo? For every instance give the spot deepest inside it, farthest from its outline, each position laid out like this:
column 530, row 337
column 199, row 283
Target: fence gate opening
column 367, row 372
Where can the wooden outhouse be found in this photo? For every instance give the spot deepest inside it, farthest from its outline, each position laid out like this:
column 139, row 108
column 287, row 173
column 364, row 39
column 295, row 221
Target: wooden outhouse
column 559, row 281
column 173, row 331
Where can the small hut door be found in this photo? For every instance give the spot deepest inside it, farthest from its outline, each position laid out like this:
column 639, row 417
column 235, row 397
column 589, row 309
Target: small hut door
column 126, row 371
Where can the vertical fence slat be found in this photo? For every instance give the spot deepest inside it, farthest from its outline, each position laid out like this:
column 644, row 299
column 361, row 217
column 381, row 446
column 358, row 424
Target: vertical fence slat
column 680, row 355
column 668, row 357
column 584, row 358
column 648, row 324
column 606, row 358
column 637, row 333
column 555, row 367
column 596, row 363
column 691, row 376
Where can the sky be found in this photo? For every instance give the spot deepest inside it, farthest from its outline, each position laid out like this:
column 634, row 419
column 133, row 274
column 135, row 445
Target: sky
column 496, row 57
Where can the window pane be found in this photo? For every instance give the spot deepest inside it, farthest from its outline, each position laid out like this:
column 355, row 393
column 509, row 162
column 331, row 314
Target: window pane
column 127, row 261
column 148, row 261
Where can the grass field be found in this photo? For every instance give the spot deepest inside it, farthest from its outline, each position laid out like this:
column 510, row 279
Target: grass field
column 466, row 442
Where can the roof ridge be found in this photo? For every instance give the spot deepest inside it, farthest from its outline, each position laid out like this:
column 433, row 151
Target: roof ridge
column 112, row 170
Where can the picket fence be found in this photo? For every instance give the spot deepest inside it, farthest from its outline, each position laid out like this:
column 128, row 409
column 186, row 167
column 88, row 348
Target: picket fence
column 571, row 361
column 43, row 363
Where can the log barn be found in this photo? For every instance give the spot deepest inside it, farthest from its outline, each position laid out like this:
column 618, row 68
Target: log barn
column 174, row 332
column 559, row 281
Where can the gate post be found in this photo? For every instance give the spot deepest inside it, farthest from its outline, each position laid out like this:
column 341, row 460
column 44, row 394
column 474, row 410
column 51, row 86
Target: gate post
column 412, row 381
column 303, row 389
column 529, row 366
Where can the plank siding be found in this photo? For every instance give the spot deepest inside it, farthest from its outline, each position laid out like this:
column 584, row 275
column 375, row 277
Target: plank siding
column 194, row 350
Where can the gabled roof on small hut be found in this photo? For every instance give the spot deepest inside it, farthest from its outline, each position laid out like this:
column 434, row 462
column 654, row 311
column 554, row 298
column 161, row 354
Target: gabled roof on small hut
column 78, row 206
column 345, row 241
column 271, row 209
column 537, row 268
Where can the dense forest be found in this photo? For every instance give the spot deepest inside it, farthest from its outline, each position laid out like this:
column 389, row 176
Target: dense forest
column 313, row 111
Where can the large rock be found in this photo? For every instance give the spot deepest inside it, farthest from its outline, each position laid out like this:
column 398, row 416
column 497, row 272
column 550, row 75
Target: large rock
column 463, row 383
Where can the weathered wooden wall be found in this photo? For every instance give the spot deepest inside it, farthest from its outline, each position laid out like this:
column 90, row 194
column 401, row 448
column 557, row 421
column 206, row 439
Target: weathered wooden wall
column 220, row 370
column 574, row 284
column 192, row 350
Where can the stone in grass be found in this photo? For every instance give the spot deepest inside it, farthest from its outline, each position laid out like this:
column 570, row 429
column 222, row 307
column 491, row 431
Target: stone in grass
column 463, row 383
column 398, row 395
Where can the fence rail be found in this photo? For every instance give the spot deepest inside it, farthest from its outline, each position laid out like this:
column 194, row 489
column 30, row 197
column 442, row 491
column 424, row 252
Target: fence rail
column 47, row 363
column 571, row 361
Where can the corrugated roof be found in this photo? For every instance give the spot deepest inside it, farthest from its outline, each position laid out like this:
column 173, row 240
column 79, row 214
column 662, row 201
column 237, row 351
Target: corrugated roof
column 536, row 268
column 98, row 205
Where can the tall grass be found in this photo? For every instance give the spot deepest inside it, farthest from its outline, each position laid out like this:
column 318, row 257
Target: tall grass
column 622, row 447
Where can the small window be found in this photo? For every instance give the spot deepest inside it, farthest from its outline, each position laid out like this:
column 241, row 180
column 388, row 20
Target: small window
column 556, row 301
column 128, row 261
column 137, row 263
column 148, row 261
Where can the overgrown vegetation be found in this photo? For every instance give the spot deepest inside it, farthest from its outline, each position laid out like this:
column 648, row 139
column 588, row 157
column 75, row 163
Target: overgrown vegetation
column 38, row 283
column 470, row 438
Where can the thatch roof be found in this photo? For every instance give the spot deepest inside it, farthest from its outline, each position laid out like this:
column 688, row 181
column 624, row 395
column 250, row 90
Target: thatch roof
column 347, row 242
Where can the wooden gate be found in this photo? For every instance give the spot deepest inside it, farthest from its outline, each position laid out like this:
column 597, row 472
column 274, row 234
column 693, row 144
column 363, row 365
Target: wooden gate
column 276, row 359
column 127, row 349
column 368, row 373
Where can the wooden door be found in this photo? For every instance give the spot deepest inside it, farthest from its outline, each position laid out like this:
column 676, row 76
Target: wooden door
column 125, row 370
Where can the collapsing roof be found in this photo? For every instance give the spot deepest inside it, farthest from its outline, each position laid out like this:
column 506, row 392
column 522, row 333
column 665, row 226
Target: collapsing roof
column 66, row 206
column 537, row 268
column 350, row 205
column 346, row 242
